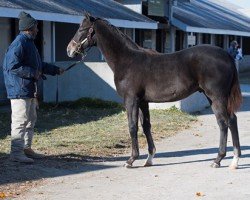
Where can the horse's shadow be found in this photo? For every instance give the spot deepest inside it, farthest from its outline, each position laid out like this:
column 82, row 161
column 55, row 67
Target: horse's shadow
column 193, row 152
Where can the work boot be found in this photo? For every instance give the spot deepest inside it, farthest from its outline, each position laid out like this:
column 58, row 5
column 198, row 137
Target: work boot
column 31, row 154
column 21, row 158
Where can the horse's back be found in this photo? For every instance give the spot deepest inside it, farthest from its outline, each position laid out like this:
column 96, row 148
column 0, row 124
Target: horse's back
column 170, row 77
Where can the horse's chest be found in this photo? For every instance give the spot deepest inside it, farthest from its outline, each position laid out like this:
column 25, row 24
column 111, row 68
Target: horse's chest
column 127, row 85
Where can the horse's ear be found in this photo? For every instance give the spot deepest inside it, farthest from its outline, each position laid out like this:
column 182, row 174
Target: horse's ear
column 86, row 15
column 92, row 19
column 89, row 17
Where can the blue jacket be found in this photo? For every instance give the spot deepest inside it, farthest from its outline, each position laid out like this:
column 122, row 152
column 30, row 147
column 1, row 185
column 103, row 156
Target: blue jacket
column 232, row 51
column 23, row 67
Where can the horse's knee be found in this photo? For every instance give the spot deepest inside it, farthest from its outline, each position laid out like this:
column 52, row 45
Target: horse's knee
column 223, row 125
column 133, row 129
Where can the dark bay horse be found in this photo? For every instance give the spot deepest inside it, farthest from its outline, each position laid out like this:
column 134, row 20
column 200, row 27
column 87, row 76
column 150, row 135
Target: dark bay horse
column 142, row 76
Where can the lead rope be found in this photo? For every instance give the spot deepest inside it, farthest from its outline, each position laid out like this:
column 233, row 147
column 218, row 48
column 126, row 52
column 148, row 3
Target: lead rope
column 36, row 96
column 68, row 68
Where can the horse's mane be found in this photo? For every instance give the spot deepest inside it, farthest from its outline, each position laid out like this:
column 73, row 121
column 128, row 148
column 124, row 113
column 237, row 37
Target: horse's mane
column 136, row 46
column 126, row 39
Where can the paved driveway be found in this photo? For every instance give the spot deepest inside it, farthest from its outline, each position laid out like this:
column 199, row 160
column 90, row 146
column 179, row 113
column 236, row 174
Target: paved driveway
column 181, row 171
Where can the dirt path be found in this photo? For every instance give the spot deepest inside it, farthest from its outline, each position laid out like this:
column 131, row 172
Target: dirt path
column 181, row 171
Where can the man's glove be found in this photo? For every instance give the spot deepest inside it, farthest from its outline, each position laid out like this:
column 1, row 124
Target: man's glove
column 61, row 71
column 37, row 75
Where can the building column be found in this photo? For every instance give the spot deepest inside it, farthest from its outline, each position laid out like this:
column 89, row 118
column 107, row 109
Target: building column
column 172, row 39
column 185, row 40
column 153, row 44
column 225, row 42
column 212, row 40
column 199, row 38
column 241, row 41
column 47, row 42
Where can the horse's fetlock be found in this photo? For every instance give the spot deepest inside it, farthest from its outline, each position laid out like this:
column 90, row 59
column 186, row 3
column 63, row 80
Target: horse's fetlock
column 222, row 154
column 136, row 156
column 152, row 151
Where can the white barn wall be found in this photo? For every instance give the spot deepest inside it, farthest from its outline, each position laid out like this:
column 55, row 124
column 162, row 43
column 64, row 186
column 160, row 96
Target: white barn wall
column 134, row 5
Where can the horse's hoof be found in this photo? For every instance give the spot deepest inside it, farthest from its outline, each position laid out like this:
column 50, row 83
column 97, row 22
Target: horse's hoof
column 215, row 165
column 148, row 164
column 128, row 165
column 233, row 167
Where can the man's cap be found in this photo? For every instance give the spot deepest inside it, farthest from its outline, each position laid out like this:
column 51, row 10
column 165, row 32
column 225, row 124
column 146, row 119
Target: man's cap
column 26, row 21
column 234, row 43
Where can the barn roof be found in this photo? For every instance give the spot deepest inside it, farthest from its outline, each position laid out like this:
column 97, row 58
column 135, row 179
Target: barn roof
column 210, row 16
column 72, row 11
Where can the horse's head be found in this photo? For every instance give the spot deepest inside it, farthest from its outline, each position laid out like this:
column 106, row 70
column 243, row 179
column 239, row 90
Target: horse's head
column 83, row 38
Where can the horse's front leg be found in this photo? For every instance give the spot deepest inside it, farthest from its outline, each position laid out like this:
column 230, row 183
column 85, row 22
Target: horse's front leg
column 132, row 108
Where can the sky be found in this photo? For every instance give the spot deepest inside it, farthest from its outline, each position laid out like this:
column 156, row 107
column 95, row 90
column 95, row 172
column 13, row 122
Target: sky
column 241, row 3
column 244, row 4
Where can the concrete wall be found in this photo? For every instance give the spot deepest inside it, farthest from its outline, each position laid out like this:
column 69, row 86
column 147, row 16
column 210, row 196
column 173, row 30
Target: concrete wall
column 96, row 80
column 245, row 63
column 83, row 80
column 194, row 103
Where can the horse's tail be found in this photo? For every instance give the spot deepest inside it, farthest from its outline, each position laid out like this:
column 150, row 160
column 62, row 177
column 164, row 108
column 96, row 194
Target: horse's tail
column 235, row 97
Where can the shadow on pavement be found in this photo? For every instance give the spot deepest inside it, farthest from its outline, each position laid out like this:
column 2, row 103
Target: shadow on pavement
column 69, row 164
column 48, row 167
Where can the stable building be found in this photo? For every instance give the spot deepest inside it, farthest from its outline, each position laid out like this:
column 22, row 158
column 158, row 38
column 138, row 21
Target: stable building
column 164, row 25
column 194, row 22
column 57, row 22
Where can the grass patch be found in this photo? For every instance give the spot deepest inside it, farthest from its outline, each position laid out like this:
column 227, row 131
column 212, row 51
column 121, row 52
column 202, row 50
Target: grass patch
column 90, row 127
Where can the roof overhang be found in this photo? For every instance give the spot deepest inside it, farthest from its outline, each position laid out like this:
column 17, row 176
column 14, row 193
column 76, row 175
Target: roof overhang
column 76, row 19
column 184, row 27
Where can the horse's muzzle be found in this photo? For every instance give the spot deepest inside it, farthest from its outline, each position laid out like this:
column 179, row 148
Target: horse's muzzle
column 71, row 50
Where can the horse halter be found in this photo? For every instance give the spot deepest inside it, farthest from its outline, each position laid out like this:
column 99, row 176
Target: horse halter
column 89, row 38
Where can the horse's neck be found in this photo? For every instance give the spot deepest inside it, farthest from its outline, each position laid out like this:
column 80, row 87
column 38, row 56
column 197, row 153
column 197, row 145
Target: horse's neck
column 111, row 44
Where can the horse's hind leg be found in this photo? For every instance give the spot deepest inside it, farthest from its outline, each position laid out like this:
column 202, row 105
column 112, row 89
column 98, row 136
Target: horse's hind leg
column 220, row 112
column 236, row 143
column 132, row 108
column 146, row 126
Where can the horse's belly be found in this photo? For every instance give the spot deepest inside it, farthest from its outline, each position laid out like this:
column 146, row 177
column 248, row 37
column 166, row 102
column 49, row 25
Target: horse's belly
column 167, row 95
column 162, row 98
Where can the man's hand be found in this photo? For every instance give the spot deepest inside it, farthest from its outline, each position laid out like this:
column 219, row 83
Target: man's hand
column 61, row 71
column 37, row 75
